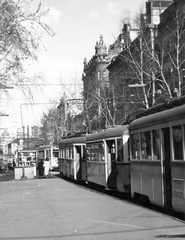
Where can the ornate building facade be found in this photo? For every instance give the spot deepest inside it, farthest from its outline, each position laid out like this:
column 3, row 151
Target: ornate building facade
column 96, row 83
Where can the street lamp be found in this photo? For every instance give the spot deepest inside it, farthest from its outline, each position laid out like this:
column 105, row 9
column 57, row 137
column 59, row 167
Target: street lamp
column 19, row 130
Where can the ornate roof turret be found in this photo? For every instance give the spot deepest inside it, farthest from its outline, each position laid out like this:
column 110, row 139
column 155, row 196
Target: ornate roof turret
column 100, row 48
column 85, row 63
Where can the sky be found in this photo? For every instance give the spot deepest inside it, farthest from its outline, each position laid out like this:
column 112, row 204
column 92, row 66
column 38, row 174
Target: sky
column 78, row 25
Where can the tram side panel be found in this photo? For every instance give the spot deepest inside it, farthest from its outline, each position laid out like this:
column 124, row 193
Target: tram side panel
column 123, row 163
column 146, row 165
column 178, row 186
column 96, row 173
column 147, row 181
column 95, row 164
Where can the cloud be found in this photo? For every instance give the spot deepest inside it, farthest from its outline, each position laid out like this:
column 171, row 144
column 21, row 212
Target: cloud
column 94, row 14
column 53, row 15
column 112, row 7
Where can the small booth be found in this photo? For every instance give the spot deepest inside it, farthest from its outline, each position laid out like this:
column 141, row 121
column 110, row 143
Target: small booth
column 26, row 165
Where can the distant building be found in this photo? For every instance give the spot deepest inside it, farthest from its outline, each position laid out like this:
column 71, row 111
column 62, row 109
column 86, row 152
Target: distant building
column 154, row 8
column 96, row 83
column 132, row 66
column 35, row 131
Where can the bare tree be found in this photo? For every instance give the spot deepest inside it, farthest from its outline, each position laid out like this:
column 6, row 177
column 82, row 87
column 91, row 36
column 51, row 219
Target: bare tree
column 170, row 61
column 20, row 38
column 156, row 57
column 49, row 129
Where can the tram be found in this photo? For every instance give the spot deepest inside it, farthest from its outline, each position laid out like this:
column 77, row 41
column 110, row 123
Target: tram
column 157, row 146
column 108, row 160
column 72, row 155
column 98, row 159
column 51, row 152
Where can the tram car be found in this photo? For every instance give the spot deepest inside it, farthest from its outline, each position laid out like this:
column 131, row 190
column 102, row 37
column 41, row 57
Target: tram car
column 51, row 152
column 72, row 155
column 157, row 145
column 108, row 160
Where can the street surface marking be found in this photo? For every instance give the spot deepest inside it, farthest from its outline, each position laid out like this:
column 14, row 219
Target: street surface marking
column 25, row 194
column 122, row 224
column 62, row 190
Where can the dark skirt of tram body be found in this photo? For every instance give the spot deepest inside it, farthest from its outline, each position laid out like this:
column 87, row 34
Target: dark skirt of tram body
column 72, row 163
column 158, row 158
column 107, row 159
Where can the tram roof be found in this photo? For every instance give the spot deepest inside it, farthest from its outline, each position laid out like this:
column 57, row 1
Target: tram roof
column 46, row 146
column 108, row 133
column 27, row 150
column 72, row 140
column 161, row 117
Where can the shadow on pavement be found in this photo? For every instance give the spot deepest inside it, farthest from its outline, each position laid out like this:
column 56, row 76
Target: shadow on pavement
column 6, row 176
column 171, row 236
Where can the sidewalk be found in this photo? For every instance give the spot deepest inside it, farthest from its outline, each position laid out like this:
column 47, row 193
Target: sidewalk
column 9, row 176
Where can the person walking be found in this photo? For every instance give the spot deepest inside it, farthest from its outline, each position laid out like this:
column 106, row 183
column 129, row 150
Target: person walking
column 41, row 168
column 46, row 167
column 14, row 164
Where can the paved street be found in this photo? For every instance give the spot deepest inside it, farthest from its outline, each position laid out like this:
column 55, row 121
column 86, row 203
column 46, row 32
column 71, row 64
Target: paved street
column 56, row 209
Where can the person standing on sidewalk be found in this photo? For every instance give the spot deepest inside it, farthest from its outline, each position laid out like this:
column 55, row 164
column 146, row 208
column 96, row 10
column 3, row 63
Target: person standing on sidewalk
column 46, row 167
column 40, row 168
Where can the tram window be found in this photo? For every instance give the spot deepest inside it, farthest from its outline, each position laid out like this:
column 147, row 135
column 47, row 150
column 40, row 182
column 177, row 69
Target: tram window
column 119, row 150
column 55, row 154
column 88, row 151
column 92, row 152
column 67, row 152
column 63, row 152
column 156, row 144
column 96, row 152
column 70, row 152
column 135, row 146
column 84, row 153
column 146, row 145
column 101, row 152
column 177, row 142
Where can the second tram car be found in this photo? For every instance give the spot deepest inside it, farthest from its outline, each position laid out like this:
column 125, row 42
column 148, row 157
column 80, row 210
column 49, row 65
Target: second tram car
column 158, row 158
column 107, row 158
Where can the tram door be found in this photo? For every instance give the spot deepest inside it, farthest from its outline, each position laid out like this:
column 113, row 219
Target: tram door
column 111, row 164
column 77, row 169
column 167, row 167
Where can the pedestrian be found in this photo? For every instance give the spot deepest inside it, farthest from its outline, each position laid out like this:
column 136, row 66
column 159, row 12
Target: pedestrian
column 9, row 166
column 41, row 168
column 14, row 164
column 46, row 167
